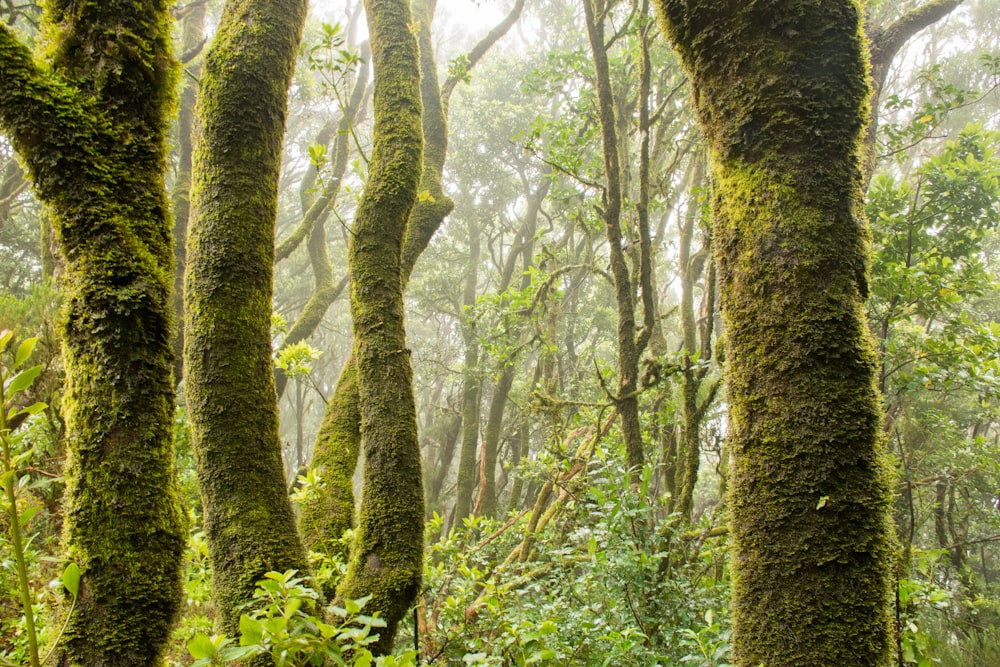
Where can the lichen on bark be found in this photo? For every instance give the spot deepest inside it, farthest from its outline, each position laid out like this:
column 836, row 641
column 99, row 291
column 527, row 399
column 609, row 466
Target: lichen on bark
column 781, row 91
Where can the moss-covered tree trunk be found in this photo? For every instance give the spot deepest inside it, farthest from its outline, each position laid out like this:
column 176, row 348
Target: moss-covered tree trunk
column 627, row 399
column 228, row 287
column 387, row 556
column 90, row 125
column 781, row 90
column 331, row 510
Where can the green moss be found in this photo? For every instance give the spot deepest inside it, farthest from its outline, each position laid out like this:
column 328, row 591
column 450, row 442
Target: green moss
column 230, row 388
column 91, row 129
column 781, row 91
column 387, row 557
column 330, row 511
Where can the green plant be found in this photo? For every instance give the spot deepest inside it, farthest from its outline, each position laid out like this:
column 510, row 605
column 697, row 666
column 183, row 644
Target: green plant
column 15, row 455
column 289, row 625
column 709, row 645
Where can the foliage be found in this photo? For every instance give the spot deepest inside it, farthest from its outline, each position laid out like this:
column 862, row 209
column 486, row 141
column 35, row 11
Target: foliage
column 288, row 624
column 16, row 453
column 616, row 581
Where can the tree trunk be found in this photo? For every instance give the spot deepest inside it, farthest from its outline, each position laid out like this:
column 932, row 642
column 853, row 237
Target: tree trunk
column 627, row 400
column 228, row 289
column 90, row 127
column 192, row 36
column 781, row 91
column 468, row 469
column 387, row 555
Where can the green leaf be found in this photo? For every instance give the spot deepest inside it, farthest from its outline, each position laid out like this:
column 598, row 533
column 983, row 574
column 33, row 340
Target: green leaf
column 4, row 339
column 28, row 514
column 233, row 653
column 22, row 380
column 201, row 646
column 71, row 579
column 24, row 351
column 251, row 631
column 33, row 409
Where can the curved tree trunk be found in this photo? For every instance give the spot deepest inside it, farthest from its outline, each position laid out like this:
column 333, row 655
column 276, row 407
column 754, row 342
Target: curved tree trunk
column 387, row 556
column 781, row 91
column 228, row 290
column 91, row 130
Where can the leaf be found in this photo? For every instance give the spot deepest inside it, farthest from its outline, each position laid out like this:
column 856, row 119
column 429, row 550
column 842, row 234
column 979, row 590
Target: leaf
column 33, row 409
column 233, row 653
column 822, row 502
column 28, row 514
column 24, row 351
column 426, row 196
column 201, row 646
column 22, row 380
column 251, row 631
column 71, row 579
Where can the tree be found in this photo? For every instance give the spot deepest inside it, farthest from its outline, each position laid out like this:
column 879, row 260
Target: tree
column 781, row 92
column 228, row 288
column 330, row 511
column 387, row 556
column 90, row 126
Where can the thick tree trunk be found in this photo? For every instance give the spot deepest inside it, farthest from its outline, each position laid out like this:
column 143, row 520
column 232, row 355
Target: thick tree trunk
column 781, row 91
column 387, row 556
column 228, row 289
column 91, row 131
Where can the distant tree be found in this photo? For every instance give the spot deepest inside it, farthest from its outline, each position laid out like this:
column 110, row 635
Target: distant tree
column 90, row 124
column 781, row 91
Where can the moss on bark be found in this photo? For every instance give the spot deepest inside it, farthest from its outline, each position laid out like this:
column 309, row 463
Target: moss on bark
column 387, row 555
column 781, row 90
column 228, row 288
column 337, row 443
column 90, row 126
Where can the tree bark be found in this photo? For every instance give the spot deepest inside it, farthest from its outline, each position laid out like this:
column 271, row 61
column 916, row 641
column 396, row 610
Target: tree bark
column 627, row 400
column 90, row 126
column 228, row 290
column 781, row 91
column 387, row 556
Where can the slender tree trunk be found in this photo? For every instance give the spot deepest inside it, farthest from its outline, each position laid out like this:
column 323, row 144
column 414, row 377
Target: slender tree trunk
column 781, row 91
column 90, row 126
column 192, row 36
column 228, row 289
column 627, row 400
column 387, row 556
column 468, row 469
